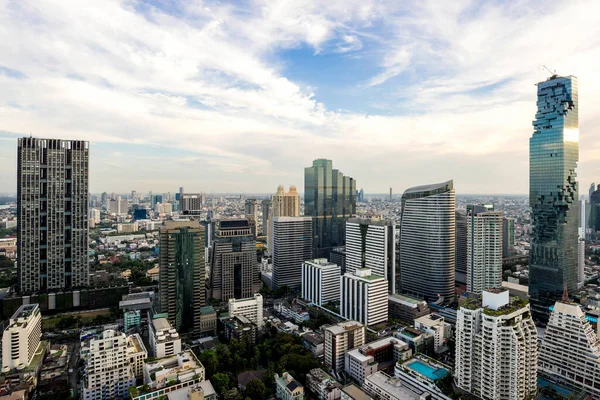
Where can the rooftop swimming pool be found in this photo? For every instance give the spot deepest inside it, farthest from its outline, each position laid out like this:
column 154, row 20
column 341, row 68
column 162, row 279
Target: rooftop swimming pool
column 427, row 370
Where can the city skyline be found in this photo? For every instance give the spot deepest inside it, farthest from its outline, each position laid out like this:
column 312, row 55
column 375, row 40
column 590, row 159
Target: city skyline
column 426, row 84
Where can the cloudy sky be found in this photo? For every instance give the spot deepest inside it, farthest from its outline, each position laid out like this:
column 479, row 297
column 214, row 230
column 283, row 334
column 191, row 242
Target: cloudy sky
column 241, row 96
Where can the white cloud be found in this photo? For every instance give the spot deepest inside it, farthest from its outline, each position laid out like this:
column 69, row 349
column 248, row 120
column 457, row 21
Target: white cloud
column 207, row 81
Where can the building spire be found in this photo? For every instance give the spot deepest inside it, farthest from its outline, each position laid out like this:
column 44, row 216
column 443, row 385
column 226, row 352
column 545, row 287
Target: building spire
column 565, row 297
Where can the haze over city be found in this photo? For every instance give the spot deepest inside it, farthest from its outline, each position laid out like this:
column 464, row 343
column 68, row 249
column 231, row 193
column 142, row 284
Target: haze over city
column 241, row 96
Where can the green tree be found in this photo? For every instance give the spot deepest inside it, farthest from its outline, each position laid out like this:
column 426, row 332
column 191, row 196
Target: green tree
column 220, row 382
column 210, row 361
column 232, row 394
column 256, row 389
column 6, row 262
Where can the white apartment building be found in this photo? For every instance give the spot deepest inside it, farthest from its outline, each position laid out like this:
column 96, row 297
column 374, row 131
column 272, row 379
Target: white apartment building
column 570, row 350
column 372, row 244
column 496, row 347
column 339, row 339
column 484, row 248
column 320, row 281
column 164, row 339
column 323, row 385
column 95, row 215
column 363, row 297
column 136, row 354
column 21, row 338
column 366, row 359
column 435, row 325
column 108, row 374
column 251, row 308
column 128, row 227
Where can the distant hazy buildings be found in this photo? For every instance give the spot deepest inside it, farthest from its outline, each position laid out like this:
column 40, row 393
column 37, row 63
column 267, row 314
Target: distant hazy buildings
column 372, row 244
column 484, row 248
column 234, row 269
column 363, row 297
column 21, row 338
column 292, row 245
column 496, row 347
column 191, row 203
column 330, row 199
column 553, row 156
column 265, row 206
column 118, row 206
column 320, row 281
column 570, row 350
column 427, row 241
column 182, row 273
column 52, row 214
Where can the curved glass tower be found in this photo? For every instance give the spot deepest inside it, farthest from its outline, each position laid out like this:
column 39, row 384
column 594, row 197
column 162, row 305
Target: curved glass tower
column 553, row 156
column 427, row 241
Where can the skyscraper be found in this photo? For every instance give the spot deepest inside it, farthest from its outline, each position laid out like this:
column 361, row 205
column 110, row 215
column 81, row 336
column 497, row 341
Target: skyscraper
column 508, row 237
column 372, row 244
column 292, row 245
column 265, row 206
column 553, row 156
column 570, row 350
column 191, row 203
column 484, row 248
column 330, row 199
column 427, row 241
column 52, row 214
column 282, row 205
column 182, row 273
column 251, row 213
column 461, row 248
column 233, row 267
column 496, row 347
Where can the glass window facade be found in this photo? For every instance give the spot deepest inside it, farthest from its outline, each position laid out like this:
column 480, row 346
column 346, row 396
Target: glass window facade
column 553, row 156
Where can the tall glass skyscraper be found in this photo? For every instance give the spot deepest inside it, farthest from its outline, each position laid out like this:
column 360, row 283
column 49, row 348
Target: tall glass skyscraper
column 553, row 156
column 330, row 199
column 427, row 241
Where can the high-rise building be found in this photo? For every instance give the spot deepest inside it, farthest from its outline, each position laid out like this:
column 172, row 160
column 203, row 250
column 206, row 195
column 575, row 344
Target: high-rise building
column 233, row 267
column 282, row 205
column 134, row 197
column 364, row 297
column 251, row 213
column 427, row 241
column 182, row 273
column 361, row 196
column 460, row 253
column 484, row 248
column 591, row 190
column 339, row 339
column 496, row 347
column 570, row 350
column 594, row 214
column 265, row 206
column 108, row 374
column 508, row 237
column 21, row 337
column 117, row 206
column 372, row 244
column 320, row 281
column 390, row 194
column 330, row 199
column 553, row 156
column 191, row 203
column 52, row 214
column 292, row 245
column 104, row 199
column 164, row 339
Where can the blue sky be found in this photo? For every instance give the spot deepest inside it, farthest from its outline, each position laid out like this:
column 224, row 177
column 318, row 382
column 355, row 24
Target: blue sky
column 221, row 96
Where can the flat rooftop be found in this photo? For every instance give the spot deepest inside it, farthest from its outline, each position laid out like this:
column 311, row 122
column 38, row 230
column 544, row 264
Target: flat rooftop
column 356, row 393
column 160, row 324
column 392, row 385
column 406, row 299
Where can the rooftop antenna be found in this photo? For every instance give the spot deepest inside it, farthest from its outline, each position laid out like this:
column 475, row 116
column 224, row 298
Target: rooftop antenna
column 565, row 297
column 549, row 70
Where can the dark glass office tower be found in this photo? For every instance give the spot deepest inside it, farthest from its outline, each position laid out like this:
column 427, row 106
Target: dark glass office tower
column 330, row 199
column 233, row 265
column 52, row 214
column 427, row 242
column 182, row 273
column 461, row 248
column 553, row 156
